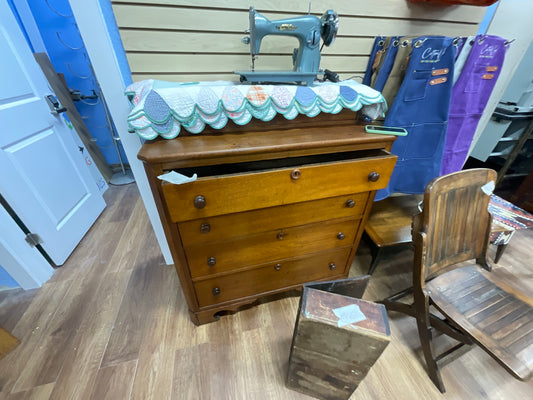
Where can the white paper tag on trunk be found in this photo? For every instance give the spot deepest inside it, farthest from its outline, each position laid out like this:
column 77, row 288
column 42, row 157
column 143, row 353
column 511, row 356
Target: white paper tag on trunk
column 349, row 315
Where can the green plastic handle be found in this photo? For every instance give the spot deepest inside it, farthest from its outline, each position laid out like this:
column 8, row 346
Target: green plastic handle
column 385, row 130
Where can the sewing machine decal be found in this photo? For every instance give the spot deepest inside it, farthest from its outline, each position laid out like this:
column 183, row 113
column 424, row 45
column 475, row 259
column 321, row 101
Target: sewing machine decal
column 308, row 29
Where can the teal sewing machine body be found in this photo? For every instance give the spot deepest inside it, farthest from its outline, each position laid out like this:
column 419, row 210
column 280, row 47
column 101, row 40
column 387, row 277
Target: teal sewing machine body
column 308, row 29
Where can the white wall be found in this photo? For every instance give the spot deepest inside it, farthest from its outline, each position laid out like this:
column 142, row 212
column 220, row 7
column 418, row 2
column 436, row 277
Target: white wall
column 179, row 40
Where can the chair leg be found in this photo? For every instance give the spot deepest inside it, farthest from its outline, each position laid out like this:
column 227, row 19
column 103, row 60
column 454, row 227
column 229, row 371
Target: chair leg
column 425, row 334
column 391, row 303
column 499, row 252
column 376, row 258
column 484, row 262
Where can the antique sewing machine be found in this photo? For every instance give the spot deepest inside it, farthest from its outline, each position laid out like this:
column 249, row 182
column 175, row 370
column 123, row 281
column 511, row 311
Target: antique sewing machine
column 308, row 29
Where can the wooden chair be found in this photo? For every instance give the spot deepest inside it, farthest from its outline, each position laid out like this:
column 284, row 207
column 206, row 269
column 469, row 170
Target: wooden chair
column 453, row 228
column 389, row 225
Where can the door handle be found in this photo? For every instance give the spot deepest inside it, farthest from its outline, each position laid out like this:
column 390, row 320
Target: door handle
column 53, row 103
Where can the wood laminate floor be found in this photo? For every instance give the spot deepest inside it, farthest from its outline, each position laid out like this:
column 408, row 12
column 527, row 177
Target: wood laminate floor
column 112, row 323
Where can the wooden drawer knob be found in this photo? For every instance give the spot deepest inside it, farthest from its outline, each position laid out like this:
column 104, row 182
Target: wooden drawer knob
column 205, row 228
column 211, row 261
column 216, row 291
column 373, row 176
column 277, row 267
column 340, row 236
column 332, row 266
column 295, row 174
column 199, row 202
column 350, row 203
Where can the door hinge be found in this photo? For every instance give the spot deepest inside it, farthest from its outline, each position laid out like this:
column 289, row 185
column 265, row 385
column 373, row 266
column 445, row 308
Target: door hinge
column 33, row 239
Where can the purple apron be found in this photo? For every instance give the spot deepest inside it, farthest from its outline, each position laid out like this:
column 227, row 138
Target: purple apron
column 470, row 95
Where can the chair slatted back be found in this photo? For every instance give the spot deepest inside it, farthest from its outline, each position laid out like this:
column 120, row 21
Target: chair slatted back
column 455, row 220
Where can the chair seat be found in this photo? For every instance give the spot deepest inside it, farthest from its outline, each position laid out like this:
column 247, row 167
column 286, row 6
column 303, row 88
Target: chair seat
column 390, row 221
column 497, row 319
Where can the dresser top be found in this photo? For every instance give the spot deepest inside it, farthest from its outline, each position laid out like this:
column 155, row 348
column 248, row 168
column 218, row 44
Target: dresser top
column 257, row 145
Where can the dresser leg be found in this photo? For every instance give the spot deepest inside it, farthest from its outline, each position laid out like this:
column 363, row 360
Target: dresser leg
column 204, row 317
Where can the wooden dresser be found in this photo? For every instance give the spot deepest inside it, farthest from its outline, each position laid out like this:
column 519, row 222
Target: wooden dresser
column 275, row 205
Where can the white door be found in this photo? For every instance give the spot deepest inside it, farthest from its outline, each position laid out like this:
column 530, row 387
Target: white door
column 43, row 175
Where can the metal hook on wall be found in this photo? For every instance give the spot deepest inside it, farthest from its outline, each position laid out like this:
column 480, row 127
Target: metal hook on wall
column 88, row 62
column 89, row 103
column 76, row 95
column 76, row 75
column 57, row 12
column 68, row 46
column 93, row 82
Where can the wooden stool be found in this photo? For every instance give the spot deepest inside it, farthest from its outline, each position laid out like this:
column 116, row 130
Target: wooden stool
column 389, row 225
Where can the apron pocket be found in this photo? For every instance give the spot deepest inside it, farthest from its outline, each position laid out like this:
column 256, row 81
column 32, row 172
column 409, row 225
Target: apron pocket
column 426, row 141
column 416, row 84
column 473, row 83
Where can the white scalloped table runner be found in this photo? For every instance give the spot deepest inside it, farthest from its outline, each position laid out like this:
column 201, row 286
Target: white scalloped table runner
column 162, row 108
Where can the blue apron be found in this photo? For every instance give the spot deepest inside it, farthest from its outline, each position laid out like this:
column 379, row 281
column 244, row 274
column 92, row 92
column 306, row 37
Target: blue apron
column 421, row 107
column 386, row 68
column 379, row 42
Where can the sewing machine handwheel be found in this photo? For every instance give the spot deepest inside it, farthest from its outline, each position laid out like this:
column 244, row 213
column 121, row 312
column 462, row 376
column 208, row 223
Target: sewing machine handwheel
column 330, row 26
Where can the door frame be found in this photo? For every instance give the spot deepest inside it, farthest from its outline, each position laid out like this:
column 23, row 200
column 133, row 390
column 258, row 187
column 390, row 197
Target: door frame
column 98, row 39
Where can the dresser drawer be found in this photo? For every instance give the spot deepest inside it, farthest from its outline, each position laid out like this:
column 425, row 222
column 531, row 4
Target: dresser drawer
column 319, row 266
column 236, row 192
column 206, row 230
column 258, row 249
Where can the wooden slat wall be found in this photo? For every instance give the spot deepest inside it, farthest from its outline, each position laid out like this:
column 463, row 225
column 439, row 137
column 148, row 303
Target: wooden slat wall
column 201, row 40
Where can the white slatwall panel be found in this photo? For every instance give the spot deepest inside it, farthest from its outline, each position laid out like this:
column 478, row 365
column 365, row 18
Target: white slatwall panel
column 201, row 40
